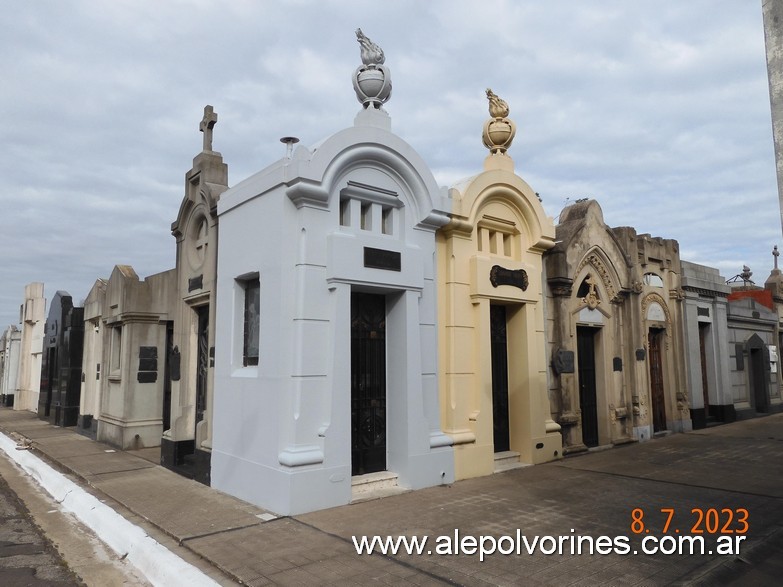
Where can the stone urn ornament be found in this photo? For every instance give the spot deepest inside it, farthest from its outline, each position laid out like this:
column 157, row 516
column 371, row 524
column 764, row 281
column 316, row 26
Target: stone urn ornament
column 499, row 130
column 372, row 79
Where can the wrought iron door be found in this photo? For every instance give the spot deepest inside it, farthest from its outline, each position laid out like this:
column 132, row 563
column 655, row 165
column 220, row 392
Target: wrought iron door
column 656, row 380
column 703, row 332
column 166, row 408
column 499, row 350
column 585, row 348
column 202, row 361
column 368, row 383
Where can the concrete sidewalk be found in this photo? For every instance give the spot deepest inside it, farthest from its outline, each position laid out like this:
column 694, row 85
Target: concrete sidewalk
column 733, row 466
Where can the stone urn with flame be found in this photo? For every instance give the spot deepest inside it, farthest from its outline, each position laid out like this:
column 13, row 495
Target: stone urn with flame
column 371, row 80
column 499, row 130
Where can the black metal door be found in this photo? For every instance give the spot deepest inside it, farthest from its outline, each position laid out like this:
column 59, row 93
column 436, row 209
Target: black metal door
column 759, row 379
column 368, row 383
column 202, row 361
column 166, row 408
column 656, row 380
column 585, row 348
column 703, row 333
column 499, row 350
column 48, row 386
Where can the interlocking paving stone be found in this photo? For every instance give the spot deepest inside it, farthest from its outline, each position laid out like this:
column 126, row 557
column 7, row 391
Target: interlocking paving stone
column 732, row 466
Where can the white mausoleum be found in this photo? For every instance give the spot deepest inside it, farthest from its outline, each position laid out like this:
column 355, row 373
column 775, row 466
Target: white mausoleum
column 326, row 367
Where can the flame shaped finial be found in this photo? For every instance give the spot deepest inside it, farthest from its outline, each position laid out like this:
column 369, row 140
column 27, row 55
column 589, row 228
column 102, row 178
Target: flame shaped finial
column 372, row 54
column 497, row 108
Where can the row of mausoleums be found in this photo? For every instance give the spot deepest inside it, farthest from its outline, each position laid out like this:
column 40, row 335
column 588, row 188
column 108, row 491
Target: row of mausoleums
column 352, row 324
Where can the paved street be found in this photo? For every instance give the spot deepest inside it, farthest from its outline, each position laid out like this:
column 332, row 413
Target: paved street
column 730, row 468
column 26, row 555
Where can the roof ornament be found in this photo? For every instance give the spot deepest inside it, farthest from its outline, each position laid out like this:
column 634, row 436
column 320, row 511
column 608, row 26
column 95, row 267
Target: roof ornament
column 499, row 130
column 744, row 277
column 372, row 79
column 206, row 125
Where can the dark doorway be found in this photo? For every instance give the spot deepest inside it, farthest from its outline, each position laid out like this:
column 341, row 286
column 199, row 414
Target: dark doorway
column 759, row 379
column 704, row 332
column 656, row 379
column 166, row 408
column 585, row 348
column 368, row 383
column 47, row 387
column 499, row 350
column 202, row 361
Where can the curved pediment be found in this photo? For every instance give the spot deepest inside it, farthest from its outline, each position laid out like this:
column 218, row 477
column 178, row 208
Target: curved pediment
column 654, row 308
column 498, row 186
column 355, row 153
column 600, row 265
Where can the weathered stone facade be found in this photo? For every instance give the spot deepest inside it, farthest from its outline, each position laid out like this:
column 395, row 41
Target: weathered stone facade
column 10, row 350
column 32, row 318
column 706, row 345
column 592, row 307
column 616, row 348
column 135, row 336
column 92, row 360
column 188, row 440
column 772, row 11
column 753, row 351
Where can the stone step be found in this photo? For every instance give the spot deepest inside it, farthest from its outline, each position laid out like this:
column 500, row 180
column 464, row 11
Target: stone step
column 374, row 486
column 507, row 460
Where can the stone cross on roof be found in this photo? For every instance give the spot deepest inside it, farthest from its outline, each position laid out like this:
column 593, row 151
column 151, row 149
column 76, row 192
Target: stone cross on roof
column 776, row 254
column 206, row 126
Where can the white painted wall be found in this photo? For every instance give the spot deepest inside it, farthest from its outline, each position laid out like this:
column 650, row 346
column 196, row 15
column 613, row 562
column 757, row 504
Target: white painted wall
column 282, row 429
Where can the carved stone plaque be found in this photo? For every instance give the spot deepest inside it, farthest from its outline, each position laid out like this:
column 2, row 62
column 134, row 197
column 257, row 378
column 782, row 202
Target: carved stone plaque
column 501, row 276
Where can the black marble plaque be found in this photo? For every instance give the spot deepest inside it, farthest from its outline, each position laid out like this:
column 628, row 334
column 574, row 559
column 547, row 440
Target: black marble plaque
column 147, row 376
column 174, row 360
column 148, row 364
column 703, row 312
column 617, row 364
column 501, row 276
column 148, row 352
column 640, row 354
column 382, row 259
column 563, row 362
column 195, row 283
column 738, row 355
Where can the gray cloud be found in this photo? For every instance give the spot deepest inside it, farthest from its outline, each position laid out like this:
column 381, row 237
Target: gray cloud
column 659, row 110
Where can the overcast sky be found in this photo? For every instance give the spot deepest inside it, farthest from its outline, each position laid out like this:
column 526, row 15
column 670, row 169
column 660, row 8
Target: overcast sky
column 657, row 109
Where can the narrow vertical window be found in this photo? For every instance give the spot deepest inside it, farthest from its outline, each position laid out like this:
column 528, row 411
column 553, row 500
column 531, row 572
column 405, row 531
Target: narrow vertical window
column 386, row 221
column 366, row 216
column 345, row 212
column 251, row 322
column 493, row 242
column 116, row 349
